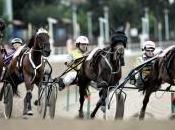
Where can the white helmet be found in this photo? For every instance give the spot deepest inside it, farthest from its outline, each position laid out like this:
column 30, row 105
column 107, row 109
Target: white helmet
column 16, row 40
column 82, row 40
column 149, row 45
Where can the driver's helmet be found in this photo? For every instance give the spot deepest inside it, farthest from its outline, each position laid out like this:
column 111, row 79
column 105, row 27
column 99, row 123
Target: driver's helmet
column 149, row 45
column 82, row 40
column 2, row 24
column 16, row 40
column 118, row 37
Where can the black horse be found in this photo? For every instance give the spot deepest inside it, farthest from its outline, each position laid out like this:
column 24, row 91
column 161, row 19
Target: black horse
column 29, row 67
column 162, row 71
column 104, row 68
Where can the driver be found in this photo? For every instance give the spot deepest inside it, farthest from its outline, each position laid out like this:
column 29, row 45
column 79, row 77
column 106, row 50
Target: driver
column 148, row 52
column 82, row 43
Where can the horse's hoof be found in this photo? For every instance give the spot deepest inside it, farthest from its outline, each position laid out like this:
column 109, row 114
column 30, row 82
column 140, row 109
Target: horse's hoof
column 81, row 115
column 141, row 118
column 103, row 109
column 24, row 116
column 30, row 113
column 172, row 117
column 36, row 102
column 92, row 116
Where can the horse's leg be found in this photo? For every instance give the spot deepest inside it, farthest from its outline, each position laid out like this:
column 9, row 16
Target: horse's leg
column 145, row 102
column 27, row 100
column 82, row 92
column 103, row 95
column 27, row 103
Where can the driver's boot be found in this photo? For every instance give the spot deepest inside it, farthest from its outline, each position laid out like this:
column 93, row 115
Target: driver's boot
column 60, row 83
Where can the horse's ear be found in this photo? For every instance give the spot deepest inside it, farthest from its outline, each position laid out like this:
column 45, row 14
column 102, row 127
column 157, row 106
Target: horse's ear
column 31, row 42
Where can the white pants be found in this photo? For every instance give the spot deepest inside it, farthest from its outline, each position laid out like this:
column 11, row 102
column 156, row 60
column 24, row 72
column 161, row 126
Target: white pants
column 69, row 78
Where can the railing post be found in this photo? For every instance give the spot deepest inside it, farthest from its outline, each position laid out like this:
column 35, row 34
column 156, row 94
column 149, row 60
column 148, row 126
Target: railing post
column 68, row 98
column 76, row 93
column 172, row 103
column 88, row 106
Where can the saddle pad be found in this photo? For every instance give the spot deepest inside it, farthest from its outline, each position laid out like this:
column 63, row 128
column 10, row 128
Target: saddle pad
column 166, row 51
column 18, row 51
column 92, row 53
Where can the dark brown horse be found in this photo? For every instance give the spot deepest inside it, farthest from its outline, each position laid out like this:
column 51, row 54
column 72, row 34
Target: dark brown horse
column 162, row 72
column 30, row 67
column 104, row 68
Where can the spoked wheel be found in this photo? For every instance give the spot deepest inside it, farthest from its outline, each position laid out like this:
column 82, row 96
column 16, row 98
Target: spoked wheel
column 52, row 100
column 8, row 100
column 116, row 108
column 42, row 101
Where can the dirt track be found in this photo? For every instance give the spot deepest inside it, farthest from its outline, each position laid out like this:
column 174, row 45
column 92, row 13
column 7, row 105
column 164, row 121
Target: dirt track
column 63, row 124
column 157, row 109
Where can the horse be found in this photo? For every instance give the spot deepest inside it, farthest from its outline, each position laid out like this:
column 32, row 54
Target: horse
column 30, row 68
column 162, row 71
column 104, row 68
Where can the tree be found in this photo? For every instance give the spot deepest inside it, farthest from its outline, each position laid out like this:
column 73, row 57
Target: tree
column 121, row 11
column 1, row 8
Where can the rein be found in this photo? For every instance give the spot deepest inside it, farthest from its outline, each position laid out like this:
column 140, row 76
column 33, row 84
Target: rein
column 108, row 63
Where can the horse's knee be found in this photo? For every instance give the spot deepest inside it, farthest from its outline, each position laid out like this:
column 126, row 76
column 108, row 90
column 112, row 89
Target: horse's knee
column 102, row 84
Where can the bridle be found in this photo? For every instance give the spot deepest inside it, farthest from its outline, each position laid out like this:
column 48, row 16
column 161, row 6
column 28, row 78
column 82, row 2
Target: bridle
column 41, row 48
column 105, row 57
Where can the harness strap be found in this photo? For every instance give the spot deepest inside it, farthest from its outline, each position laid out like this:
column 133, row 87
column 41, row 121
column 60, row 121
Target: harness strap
column 110, row 66
column 34, row 66
column 21, row 59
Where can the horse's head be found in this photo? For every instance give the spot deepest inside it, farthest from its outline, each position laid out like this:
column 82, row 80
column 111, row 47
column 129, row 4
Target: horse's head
column 118, row 43
column 42, row 42
column 118, row 53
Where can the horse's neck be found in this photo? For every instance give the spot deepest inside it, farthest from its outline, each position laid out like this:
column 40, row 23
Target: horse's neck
column 36, row 56
column 109, row 54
